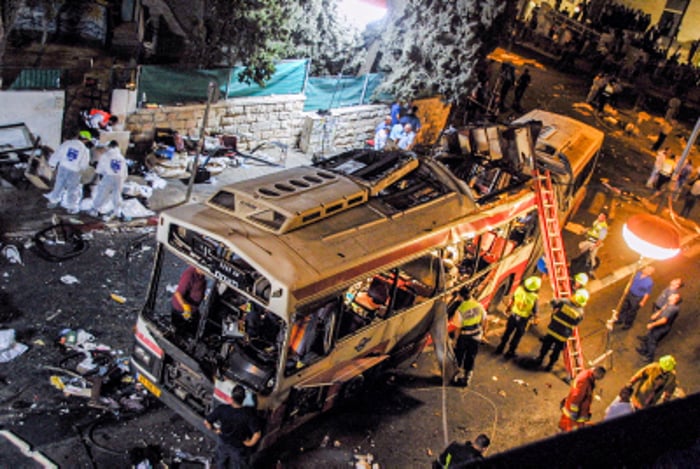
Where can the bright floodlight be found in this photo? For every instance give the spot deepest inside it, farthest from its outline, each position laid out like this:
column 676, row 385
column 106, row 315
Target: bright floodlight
column 362, row 12
column 651, row 237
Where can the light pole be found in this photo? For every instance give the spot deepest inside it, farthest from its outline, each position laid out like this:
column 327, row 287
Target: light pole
column 652, row 238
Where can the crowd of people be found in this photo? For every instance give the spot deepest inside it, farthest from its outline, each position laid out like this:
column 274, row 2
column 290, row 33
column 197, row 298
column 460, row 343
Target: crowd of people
column 618, row 41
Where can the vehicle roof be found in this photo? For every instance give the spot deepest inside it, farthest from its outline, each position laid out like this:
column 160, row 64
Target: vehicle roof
column 323, row 255
column 566, row 135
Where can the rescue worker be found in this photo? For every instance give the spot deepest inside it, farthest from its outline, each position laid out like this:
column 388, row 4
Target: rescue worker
column 595, row 236
column 523, row 307
column 579, row 281
column 460, row 454
column 636, row 297
column 567, row 314
column 654, row 384
column 72, row 157
column 470, row 317
column 576, row 407
column 185, row 302
column 659, row 326
column 112, row 168
column 238, row 429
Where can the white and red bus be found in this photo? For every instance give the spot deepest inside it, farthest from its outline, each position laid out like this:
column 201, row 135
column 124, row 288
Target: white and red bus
column 320, row 276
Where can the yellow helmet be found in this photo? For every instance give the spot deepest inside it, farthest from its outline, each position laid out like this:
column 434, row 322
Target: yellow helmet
column 667, row 363
column 581, row 297
column 532, row 283
column 581, row 279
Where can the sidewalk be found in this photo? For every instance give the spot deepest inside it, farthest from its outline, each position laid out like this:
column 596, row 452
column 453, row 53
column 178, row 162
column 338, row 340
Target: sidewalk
column 24, row 209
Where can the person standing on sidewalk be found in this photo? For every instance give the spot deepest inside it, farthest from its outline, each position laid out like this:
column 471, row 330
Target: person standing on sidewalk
column 576, row 407
column 658, row 163
column 659, row 326
column 72, row 157
column 636, row 297
column 655, row 383
column 523, row 307
column 470, row 317
column 567, row 314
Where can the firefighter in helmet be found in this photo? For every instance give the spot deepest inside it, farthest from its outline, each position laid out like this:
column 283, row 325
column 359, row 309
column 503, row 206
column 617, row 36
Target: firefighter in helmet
column 523, row 307
column 567, row 314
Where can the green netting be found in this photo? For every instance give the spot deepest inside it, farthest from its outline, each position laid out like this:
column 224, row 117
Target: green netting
column 37, row 79
column 335, row 92
column 166, row 85
column 289, row 78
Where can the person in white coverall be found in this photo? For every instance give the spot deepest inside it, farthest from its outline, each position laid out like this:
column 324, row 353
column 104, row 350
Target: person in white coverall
column 72, row 157
column 112, row 168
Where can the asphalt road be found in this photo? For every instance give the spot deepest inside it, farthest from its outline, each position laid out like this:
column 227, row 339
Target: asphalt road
column 405, row 419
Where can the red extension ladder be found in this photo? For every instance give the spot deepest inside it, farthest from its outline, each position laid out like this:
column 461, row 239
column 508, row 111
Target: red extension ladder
column 556, row 261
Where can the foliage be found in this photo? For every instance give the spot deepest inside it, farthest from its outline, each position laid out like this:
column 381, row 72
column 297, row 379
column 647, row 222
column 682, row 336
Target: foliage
column 435, row 47
column 315, row 29
column 232, row 32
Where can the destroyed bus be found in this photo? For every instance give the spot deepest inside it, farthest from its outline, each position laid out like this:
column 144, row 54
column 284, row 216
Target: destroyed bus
column 320, row 276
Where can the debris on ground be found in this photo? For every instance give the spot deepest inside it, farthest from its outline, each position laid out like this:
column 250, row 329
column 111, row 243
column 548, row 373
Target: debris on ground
column 366, row 461
column 69, row 280
column 9, row 347
column 110, row 252
column 520, row 382
column 11, row 253
column 118, row 298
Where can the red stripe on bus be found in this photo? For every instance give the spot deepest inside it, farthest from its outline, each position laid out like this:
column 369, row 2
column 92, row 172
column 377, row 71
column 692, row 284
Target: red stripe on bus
column 150, row 345
column 435, row 239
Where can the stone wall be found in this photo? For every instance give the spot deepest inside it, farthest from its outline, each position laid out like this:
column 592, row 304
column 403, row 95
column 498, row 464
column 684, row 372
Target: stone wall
column 258, row 119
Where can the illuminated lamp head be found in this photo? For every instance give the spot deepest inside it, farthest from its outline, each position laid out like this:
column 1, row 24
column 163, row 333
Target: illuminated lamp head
column 651, row 236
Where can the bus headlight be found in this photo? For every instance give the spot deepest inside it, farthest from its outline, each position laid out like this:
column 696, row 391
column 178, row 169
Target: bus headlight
column 142, row 356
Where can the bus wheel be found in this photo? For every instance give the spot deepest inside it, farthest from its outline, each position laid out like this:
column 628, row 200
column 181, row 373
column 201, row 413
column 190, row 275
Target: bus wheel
column 353, row 386
column 500, row 295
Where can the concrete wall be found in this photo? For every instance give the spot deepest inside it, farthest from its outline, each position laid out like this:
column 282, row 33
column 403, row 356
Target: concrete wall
column 257, row 119
column 42, row 111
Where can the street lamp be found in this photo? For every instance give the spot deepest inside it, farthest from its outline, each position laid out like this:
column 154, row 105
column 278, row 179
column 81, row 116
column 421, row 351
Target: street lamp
column 653, row 238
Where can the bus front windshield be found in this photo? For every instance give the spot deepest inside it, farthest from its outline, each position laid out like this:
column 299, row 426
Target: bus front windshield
column 224, row 331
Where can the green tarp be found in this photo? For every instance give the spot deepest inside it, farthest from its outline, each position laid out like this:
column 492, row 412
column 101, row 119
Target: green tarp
column 335, row 92
column 289, row 78
column 37, row 79
column 166, row 85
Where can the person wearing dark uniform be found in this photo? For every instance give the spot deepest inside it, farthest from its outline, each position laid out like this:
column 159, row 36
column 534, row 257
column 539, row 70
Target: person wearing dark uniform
column 458, row 455
column 567, row 314
column 523, row 307
column 470, row 317
column 238, row 429
column 186, row 300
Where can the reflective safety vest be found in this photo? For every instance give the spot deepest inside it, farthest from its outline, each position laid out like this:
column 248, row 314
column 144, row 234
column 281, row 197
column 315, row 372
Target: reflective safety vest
column 566, row 316
column 471, row 315
column 598, row 231
column 523, row 302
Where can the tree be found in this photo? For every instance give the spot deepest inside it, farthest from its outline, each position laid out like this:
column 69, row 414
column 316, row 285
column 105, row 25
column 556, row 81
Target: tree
column 232, row 32
column 315, row 29
column 434, row 47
